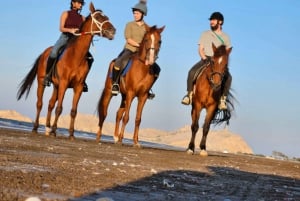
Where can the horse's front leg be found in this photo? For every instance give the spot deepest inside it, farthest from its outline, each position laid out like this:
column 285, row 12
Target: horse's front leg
column 210, row 112
column 195, row 113
column 128, row 101
column 138, row 118
column 73, row 113
column 51, row 105
column 39, row 105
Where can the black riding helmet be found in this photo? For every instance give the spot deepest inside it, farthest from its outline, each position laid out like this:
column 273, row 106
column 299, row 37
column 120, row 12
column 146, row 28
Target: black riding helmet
column 80, row 1
column 217, row 16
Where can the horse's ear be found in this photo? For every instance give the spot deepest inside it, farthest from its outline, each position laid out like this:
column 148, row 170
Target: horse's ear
column 161, row 29
column 229, row 50
column 92, row 8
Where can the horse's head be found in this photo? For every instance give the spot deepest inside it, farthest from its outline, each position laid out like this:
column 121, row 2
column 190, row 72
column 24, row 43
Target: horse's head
column 98, row 23
column 150, row 44
column 219, row 65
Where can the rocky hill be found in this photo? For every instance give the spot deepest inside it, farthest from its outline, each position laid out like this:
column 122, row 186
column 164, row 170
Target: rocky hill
column 218, row 140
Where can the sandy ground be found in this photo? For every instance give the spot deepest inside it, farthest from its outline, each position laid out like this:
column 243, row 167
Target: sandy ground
column 81, row 170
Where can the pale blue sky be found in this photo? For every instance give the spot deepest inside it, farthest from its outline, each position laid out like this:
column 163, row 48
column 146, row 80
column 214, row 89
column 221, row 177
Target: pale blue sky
column 264, row 62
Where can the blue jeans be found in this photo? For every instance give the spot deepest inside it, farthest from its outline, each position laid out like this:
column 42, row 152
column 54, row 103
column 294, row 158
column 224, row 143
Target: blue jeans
column 62, row 41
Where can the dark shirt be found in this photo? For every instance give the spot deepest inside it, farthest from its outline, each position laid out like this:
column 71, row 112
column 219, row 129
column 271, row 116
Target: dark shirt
column 74, row 19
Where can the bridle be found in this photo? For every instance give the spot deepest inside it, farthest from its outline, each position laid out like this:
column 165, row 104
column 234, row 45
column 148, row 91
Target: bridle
column 98, row 24
column 151, row 52
column 212, row 74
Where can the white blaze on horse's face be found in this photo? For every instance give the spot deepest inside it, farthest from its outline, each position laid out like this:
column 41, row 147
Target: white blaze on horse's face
column 220, row 60
column 152, row 49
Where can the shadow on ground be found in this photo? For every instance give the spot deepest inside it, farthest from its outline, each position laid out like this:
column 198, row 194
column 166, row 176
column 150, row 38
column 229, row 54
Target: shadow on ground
column 220, row 184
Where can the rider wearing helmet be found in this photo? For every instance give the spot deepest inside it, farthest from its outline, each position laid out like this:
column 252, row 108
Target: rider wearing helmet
column 134, row 33
column 70, row 22
column 217, row 37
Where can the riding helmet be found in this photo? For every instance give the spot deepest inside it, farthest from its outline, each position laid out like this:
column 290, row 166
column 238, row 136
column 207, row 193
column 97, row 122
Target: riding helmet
column 217, row 16
column 141, row 6
column 80, row 1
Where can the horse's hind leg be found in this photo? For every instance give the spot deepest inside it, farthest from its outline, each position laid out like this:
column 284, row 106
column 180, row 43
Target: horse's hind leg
column 141, row 103
column 102, row 110
column 194, row 127
column 60, row 96
column 118, row 135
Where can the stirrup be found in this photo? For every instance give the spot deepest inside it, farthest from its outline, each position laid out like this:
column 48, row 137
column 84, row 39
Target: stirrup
column 115, row 89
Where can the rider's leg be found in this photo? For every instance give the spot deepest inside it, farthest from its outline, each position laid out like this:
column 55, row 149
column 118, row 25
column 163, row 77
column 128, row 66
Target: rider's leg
column 90, row 60
column 187, row 99
column 227, row 84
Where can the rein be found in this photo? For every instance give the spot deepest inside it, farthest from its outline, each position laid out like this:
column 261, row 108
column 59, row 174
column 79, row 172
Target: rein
column 98, row 24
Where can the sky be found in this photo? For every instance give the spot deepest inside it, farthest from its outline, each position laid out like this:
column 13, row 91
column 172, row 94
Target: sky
column 264, row 63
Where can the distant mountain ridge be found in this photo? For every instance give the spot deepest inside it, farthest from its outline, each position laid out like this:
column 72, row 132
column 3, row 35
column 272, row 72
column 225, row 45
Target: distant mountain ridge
column 220, row 140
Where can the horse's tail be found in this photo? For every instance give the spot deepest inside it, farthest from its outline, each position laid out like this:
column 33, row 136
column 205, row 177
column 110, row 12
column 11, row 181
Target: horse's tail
column 222, row 116
column 27, row 82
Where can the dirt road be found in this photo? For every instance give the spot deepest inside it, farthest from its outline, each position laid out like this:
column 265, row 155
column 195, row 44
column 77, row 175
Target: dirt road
column 81, row 170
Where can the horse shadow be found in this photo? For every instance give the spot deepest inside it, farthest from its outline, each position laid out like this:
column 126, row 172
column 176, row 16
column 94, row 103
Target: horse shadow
column 219, row 183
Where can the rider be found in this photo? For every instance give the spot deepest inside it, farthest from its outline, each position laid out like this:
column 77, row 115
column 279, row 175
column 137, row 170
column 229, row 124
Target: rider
column 70, row 22
column 217, row 37
column 134, row 33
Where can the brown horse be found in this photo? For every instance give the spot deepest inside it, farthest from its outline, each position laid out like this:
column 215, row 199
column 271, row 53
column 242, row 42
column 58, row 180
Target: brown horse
column 136, row 83
column 207, row 92
column 71, row 70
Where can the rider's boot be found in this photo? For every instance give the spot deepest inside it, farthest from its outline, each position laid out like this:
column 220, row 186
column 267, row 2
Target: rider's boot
column 115, row 89
column 187, row 99
column 47, row 79
column 222, row 104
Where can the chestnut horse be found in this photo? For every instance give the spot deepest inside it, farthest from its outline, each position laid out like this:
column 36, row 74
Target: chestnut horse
column 207, row 92
column 71, row 70
column 135, row 83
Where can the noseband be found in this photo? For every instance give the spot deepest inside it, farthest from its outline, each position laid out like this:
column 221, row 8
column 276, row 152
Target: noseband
column 210, row 77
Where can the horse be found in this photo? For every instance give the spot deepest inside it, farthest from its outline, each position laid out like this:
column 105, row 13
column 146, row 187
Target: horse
column 71, row 70
column 135, row 83
column 207, row 91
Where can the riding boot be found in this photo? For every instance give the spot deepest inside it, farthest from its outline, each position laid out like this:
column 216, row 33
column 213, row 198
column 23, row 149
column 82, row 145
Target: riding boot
column 227, row 84
column 151, row 95
column 115, row 77
column 222, row 104
column 90, row 60
column 47, row 79
column 187, row 99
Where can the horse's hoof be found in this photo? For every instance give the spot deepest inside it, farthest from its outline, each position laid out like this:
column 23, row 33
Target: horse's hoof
column 116, row 139
column 137, row 145
column 203, row 153
column 47, row 131
column 190, row 152
column 71, row 138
